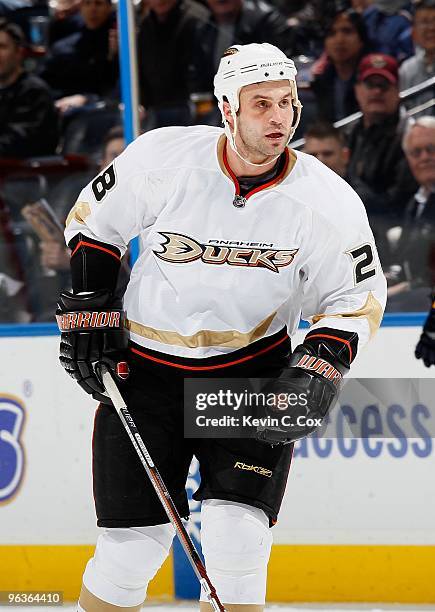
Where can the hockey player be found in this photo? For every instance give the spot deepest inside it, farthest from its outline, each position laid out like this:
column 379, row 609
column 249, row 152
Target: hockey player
column 240, row 237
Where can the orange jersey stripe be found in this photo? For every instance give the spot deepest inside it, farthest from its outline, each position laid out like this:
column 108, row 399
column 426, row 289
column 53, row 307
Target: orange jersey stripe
column 231, row 173
column 95, row 246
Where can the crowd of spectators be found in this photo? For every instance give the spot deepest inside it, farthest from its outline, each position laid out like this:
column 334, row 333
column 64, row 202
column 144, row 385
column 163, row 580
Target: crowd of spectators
column 60, row 95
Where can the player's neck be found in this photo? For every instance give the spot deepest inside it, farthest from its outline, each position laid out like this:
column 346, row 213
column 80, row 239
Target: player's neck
column 241, row 168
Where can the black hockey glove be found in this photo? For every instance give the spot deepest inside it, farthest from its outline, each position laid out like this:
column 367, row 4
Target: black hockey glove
column 93, row 332
column 425, row 348
column 305, row 392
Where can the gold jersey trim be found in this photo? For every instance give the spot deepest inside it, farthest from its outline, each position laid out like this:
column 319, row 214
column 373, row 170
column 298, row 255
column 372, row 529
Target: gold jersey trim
column 205, row 337
column 78, row 213
column 372, row 311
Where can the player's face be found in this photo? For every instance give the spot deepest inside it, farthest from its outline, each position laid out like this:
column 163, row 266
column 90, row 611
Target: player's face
column 264, row 120
column 420, row 153
column 329, row 151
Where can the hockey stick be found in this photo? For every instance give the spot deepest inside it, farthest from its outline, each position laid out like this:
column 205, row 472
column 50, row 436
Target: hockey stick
column 160, row 488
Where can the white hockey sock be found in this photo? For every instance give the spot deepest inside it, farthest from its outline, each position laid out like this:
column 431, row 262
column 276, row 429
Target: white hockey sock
column 124, row 562
column 236, row 542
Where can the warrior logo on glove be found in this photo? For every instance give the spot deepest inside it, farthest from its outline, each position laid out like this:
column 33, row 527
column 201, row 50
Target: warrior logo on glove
column 320, row 366
column 70, row 321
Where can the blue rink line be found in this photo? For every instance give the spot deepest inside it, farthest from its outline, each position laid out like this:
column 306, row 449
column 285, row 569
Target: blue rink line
column 16, row 330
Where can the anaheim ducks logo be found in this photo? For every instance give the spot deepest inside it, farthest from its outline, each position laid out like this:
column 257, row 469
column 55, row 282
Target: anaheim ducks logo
column 182, row 249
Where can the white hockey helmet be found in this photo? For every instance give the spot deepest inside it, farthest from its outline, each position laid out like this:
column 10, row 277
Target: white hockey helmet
column 243, row 65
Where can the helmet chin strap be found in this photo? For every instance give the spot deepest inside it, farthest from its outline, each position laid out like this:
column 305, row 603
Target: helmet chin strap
column 232, row 140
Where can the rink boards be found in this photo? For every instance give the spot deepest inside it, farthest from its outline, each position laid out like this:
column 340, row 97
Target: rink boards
column 357, row 522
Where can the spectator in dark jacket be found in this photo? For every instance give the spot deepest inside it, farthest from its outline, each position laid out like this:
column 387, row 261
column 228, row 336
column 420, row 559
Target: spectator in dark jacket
column 165, row 52
column 335, row 72
column 84, row 65
column 236, row 22
column 378, row 170
column 28, row 119
column 414, row 252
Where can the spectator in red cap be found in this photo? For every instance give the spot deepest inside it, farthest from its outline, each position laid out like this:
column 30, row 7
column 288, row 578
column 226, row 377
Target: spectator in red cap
column 378, row 170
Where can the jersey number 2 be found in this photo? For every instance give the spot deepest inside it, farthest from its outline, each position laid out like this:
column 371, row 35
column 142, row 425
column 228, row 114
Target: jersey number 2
column 363, row 258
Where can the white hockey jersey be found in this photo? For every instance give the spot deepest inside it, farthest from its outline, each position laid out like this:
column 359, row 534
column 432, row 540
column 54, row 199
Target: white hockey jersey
column 214, row 277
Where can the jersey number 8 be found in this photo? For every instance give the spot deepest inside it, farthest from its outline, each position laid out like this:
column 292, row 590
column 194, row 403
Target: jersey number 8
column 104, row 183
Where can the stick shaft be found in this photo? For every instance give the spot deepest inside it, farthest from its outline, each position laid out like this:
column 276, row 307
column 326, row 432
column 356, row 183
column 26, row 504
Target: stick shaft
column 160, row 488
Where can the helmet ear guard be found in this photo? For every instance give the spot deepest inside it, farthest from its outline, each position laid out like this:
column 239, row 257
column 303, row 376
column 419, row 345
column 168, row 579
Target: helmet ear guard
column 243, row 65
column 297, row 109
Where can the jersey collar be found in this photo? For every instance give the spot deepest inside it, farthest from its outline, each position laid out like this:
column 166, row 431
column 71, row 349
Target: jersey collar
column 225, row 167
